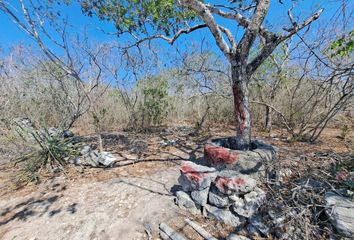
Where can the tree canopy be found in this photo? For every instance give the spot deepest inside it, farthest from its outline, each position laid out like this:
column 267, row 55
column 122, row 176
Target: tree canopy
column 161, row 16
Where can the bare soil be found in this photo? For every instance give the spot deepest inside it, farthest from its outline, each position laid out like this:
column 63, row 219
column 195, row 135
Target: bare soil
column 136, row 195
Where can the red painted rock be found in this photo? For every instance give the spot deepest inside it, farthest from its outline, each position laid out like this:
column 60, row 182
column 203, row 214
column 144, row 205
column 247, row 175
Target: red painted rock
column 196, row 177
column 231, row 182
column 219, row 155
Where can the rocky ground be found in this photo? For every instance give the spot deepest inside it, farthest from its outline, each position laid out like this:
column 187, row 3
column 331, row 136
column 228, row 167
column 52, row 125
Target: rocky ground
column 130, row 200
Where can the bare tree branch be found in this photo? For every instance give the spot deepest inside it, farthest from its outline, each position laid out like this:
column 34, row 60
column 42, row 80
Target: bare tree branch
column 169, row 40
column 209, row 20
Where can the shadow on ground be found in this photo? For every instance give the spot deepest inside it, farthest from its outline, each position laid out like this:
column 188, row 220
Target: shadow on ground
column 37, row 206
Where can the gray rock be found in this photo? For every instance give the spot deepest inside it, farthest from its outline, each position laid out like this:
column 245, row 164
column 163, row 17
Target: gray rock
column 218, row 199
column 85, row 150
column 340, row 211
column 257, row 196
column 252, row 231
column 220, row 156
column 196, row 177
column 106, row 159
column 94, row 158
column 257, row 222
column 225, row 216
column 183, row 200
column 250, row 204
column 200, row 197
column 230, row 182
column 67, row 134
column 234, row 236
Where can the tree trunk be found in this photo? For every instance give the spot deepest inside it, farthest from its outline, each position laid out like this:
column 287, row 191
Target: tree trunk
column 241, row 107
column 268, row 119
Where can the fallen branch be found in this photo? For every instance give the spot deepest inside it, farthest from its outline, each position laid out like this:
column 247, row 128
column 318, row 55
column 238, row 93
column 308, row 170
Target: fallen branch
column 172, row 234
column 200, row 230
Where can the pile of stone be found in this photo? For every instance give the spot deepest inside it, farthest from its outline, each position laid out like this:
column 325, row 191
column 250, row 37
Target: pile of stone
column 226, row 195
column 88, row 156
column 94, row 158
column 226, row 189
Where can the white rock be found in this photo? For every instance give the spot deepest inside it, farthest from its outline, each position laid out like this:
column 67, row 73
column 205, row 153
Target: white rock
column 234, row 236
column 225, row 216
column 340, row 211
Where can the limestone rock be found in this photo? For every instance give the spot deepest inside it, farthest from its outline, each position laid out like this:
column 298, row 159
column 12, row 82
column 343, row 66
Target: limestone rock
column 230, row 182
column 183, row 200
column 196, row 177
column 250, row 204
column 200, row 197
column 106, row 159
column 234, row 236
column 93, row 158
column 219, row 154
column 218, row 199
column 340, row 211
column 225, row 216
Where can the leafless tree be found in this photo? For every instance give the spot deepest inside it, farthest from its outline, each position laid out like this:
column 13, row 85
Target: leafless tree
column 74, row 60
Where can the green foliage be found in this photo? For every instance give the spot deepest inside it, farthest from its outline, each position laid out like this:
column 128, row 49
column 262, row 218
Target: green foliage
column 47, row 151
column 343, row 46
column 139, row 16
column 155, row 103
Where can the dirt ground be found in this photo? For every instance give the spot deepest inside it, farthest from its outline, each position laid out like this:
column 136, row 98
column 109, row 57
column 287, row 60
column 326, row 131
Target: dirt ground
column 132, row 198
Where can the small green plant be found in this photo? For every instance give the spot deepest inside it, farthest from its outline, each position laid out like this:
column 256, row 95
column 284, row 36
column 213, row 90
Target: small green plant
column 47, row 151
column 155, row 104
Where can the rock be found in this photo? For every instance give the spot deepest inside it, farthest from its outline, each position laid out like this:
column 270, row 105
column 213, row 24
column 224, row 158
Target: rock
column 225, row 216
column 196, row 177
column 106, row 159
column 85, row 150
column 200, row 197
column 234, row 236
column 219, row 154
column 340, row 211
column 231, row 182
column 258, row 196
column 250, row 204
column 183, row 200
column 67, row 134
column 252, row 231
column 94, row 158
column 218, row 199
column 256, row 221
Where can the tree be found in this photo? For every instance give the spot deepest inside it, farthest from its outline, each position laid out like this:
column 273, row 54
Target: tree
column 79, row 68
column 169, row 19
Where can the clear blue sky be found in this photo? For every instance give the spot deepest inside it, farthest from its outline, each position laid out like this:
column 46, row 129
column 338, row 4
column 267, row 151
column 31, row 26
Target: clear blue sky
column 11, row 35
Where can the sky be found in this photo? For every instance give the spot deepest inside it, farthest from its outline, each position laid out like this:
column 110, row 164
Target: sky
column 11, row 35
